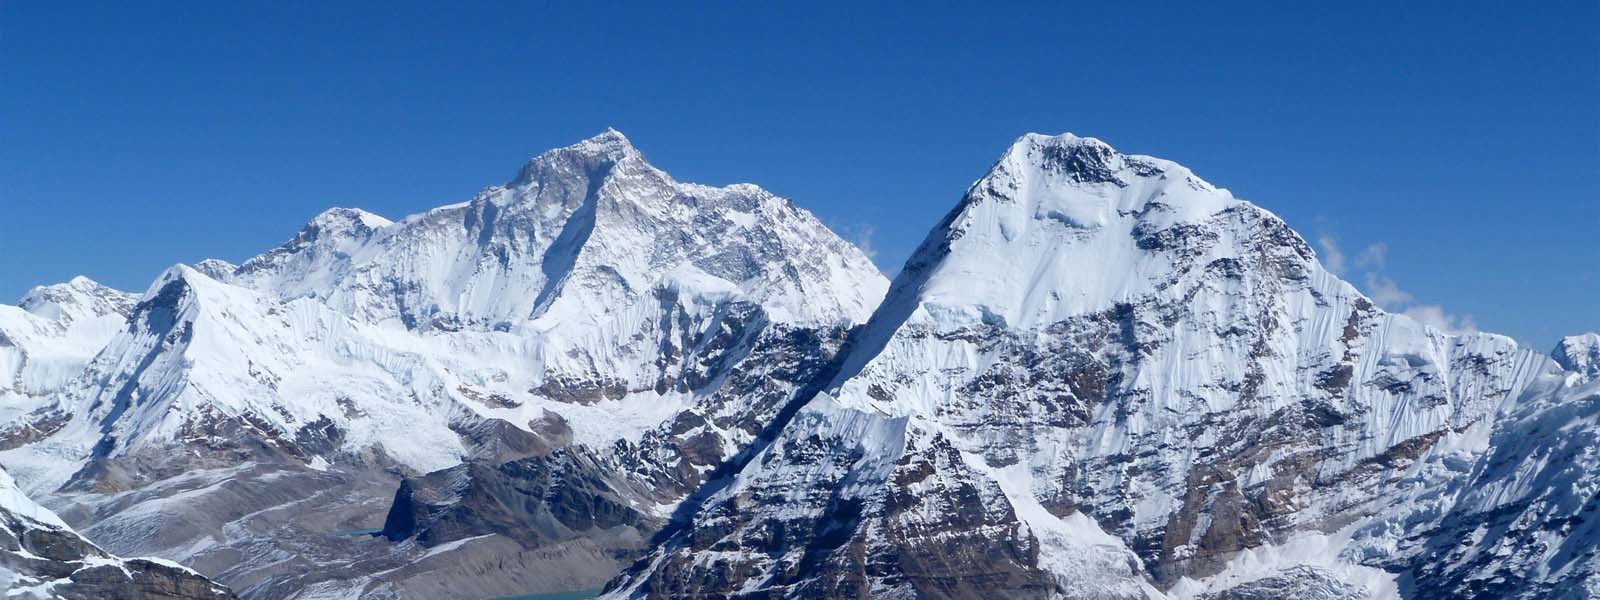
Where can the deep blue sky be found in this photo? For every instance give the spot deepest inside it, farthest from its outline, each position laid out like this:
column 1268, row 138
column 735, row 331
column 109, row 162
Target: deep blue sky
column 1462, row 139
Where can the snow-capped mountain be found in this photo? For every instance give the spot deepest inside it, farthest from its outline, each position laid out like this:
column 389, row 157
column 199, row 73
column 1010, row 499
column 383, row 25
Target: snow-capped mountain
column 48, row 337
column 1102, row 377
column 581, row 233
column 45, row 341
column 42, row 558
column 592, row 305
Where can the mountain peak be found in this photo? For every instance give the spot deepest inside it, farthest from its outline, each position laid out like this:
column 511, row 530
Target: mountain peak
column 170, row 283
column 338, row 216
column 610, row 135
column 590, row 156
column 340, row 223
column 1082, row 160
column 1065, row 139
column 77, row 283
column 1083, row 182
column 609, row 143
column 1080, row 225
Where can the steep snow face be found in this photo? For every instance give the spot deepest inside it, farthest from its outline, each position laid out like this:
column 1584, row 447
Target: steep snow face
column 1579, row 354
column 1116, row 360
column 41, row 557
column 1188, row 300
column 580, row 232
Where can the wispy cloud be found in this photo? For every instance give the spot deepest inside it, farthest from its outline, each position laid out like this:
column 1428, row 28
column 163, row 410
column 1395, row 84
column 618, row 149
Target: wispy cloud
column 1433, row 315
column 1371, row 264
column 1386, row 292
column 862, row 238
column 1332, row 256
column 1374, row 257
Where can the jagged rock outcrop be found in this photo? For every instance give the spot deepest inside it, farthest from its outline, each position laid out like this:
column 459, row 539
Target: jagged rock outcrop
column 536, row 501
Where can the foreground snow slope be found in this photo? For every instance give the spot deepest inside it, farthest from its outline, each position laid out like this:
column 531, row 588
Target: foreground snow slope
column 41, row 557
column 1101, row 376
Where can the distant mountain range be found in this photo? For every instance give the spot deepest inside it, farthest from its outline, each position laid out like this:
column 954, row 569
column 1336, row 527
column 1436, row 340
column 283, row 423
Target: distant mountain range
column 1100, row 376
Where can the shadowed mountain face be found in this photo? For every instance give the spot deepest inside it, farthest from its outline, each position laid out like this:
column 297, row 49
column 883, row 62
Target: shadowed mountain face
column 1099, row 377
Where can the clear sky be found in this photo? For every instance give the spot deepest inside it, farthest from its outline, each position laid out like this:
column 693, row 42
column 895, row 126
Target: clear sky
column 1449, row 152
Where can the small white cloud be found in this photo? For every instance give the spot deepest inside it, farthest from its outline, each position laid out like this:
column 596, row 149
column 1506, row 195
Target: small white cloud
column 1332, row 256
column 1371, row 263
column 862, row 238
column 1435, row 317
column 1386, row 293
column 1373, row 257
column 859, row 235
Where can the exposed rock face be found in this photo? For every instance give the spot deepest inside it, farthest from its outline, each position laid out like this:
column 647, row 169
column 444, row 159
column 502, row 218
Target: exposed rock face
column 950, row 538
column 40, row 557
column 1102, row 377
column 535, row 501
column 617, row 497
